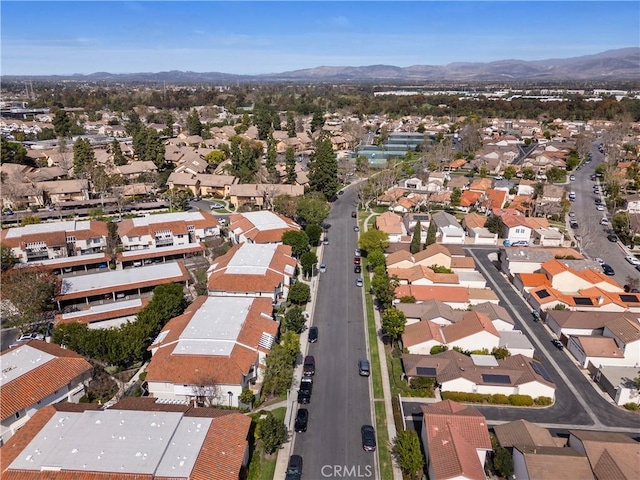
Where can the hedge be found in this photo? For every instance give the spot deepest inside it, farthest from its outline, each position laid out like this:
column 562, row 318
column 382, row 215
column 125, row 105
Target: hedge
column 496, row 399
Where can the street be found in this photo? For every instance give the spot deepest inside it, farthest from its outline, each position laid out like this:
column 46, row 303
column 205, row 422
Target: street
column 341, row 401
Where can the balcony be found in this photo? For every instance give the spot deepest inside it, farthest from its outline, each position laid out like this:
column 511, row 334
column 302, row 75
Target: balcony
column 37, row 254
column 163, row 241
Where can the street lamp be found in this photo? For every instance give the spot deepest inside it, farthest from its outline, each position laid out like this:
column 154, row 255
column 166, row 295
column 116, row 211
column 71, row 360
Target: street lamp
column 230, row 395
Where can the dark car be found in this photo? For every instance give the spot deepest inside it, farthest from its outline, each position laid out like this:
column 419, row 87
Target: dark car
column 313, row 334
column 302, row 418
column 356, row 229
column 309, row 366
column 558, row 344
column 364, row 369
column 306, row 387
column 368, row 438
column 608, row 269
column 573, row 224
column 294, row 468
column 357, row 269
column 612, row 238
column 354, row 214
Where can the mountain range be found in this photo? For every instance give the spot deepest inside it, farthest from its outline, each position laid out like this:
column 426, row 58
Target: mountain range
column 612, row 65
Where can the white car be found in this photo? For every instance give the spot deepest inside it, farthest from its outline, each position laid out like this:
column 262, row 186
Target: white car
column 359, row 282
column 600, row 207
column 323, row 268
column 604, row 221
column 632, row 260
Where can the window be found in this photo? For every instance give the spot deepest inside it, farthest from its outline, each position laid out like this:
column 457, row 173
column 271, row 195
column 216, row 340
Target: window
column 17, row 414
column 71, row 239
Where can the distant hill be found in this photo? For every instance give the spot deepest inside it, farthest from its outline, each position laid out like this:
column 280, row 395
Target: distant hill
column 622, row 64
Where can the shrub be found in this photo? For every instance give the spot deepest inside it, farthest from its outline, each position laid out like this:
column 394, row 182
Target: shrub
column 631, row 406
column 541, row 401
column 499, row 399
column 408, row 299
column 438, row 349
column 521, row 400
column 420, row 383
column 299, row 293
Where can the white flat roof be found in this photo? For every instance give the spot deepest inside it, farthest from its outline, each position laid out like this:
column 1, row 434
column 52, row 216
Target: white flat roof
column 20, row 360
column 167, row 218
column 122, row 441
column 265, row 220
column 62, row 261
column 107, row 307
column 159, row 250
column 514, row 339
column 119, row 278
column 484, row 360
column 252, row 259
column 39, row 228
column 215, row 327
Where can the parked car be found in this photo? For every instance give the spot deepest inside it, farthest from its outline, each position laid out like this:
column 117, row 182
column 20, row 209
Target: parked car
column 368, row 438
column 313, row 335
column 357, row 269
column 572, row 177
column 364, row 368
column 323, row 268
column 216, row 206
column 612, row 238
column 573, row 224
column 304, row 393
column 294, row 468
column 356, row 229
column 359, row 282
column 557, row 343
column 608, row 269
column 357, row 252
column 325, row 241
column 354, row 214
column 632, row 260
column 600, row 207
column 604, row 221
column 302, row 418
column 309, row 366
column 356, row 260
column 520, row 243
column 572, row 214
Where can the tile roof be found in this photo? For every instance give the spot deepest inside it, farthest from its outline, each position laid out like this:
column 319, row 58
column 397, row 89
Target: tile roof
column 555, row 462
column 431, row 292
column 611, row 455
column 625, row 329
column 597, row 346
column 37, row 383
column 390, row 223
column 429, row 310
column 533, row 279
column 473, row 220
column 523, row 433
column 454, row 435
column 472, row 322
column 421, row 332
column 420, row 272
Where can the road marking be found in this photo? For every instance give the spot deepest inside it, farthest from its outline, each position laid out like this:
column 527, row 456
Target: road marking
column 539, row 344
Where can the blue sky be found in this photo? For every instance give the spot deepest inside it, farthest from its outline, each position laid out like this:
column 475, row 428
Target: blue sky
column 245, row 37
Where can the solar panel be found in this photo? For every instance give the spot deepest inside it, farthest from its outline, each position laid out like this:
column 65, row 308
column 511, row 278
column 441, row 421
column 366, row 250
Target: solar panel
column 629, row 298
column 540, row 370
column 543, row 294
column 426, row 371
column 583, row 301
column 495, row 378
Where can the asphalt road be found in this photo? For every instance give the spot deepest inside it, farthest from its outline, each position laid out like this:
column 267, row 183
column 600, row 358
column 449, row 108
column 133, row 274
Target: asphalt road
column 341, row 401
column 7, row 337
column 577, row 402
column 594, row 236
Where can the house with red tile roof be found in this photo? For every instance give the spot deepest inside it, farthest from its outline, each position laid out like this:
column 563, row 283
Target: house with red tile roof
column 456, row 297
column 539, row 461
column 54, row 244
column 218, row 345
column 470, row 198
column 36, row 374
column 456, row 440
column 260, row 194
column 134, row 439
column 477, row 233
column 456, row 372
column 609, row 454
column 391, row 224
column 494, row 199
column 262, row 226
column 434, row 254
column 253, row 269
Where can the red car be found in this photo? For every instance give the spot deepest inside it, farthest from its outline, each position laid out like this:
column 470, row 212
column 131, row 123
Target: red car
column 356, row 260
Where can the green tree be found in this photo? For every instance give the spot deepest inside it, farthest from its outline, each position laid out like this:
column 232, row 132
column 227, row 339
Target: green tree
column 431, row 233
column 273, row 433
column 312, row 208
column 298, row 240
column 456, row 195
column 266, row 120
column 46, row 134
column 7, row 258
column 373, row 239
column 286, row 205
column 500, row 352
column 118, row 157
column 393, row 323
column 408, row 453
column 30, row 220
column 528, row 173
column 382, row 286
column 299, row 293
column 246, row 397
column 30, row 303
column 291, row 125
column 362, row 163
column 494, row 225
column 290, row 165
column 83, row 156
column 510, row 172
column 308, row 260
column 279, row 373
column 317, row 121
column 291, row 346
column 272, row 157
column 556, row 175
column 12, row 152
column 215, row 158
column 62, row 123
column 323, row 168
column 376, row 258
column 294, row 319
column 436, row 349
column 415, row 245
column 314, row 232
column 193, row 124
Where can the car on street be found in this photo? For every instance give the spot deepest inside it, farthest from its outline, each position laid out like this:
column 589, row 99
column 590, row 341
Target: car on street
column 357, row 269
column 304, row 392
column 325, row 241
column 341, row 192
column 302, row 418
column 8, row 212
column 359, row 282
column 572, row 214
column 356, row 229
column 572, row 177
column 294, row 468
column 313, row 335
column 599, row 260
column 608, row 269
column 573, row 224
column 368, row 438
column 357, row 252
column 356, row 260
column 612, row 238
column 364, row 368
column 309, row 366
column 323, row 268
column 632, row 260
column 598, row 201
column 604, row 221
column 216, row 206
column 600, row 207
column 354, row 214
column 558, row 344
column 520, row 243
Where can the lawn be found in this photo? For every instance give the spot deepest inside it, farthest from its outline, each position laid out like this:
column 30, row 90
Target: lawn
column 372, row 333
column 263, row 467
column 384, row 449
